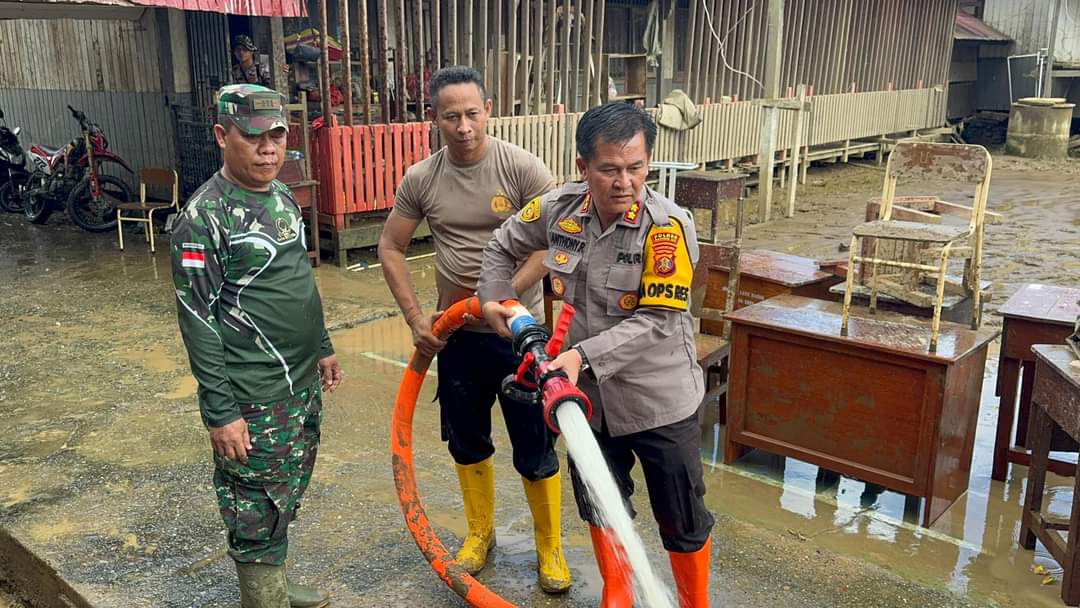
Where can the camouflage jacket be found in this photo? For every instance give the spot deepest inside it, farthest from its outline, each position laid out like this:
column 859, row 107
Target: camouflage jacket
column 258, row 73
column 248, row 308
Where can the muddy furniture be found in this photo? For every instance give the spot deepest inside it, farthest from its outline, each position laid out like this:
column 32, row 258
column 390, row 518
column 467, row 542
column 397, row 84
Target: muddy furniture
column 933, row 243
column 1055, row 401
column 1036, row 314
column 763, row 274
column 297, row 175
column 874, row 405
column 150, row 176
column 709, row 190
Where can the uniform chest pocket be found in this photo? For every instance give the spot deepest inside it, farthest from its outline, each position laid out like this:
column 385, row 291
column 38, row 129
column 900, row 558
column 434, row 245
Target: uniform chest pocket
column 622, row 285
column 563, row 268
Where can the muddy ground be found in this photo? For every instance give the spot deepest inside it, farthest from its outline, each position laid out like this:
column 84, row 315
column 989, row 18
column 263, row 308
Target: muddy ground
column 104, row 467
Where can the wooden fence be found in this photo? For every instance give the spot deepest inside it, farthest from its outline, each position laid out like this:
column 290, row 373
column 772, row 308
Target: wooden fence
column 365, row 163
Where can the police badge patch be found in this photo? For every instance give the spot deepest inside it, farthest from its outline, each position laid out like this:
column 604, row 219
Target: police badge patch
column 570, row 225
column 664, row 247
column 531, row 211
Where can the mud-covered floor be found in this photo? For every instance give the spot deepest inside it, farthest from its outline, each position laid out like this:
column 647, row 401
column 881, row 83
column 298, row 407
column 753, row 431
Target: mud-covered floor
column 104, row 468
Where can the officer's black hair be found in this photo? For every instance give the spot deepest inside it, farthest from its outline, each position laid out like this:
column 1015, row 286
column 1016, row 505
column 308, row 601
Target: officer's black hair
column 455, row 74
column 615, row 122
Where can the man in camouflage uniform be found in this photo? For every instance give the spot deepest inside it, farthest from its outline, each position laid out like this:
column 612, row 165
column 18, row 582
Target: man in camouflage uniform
column 247, row 69
column 252, row 322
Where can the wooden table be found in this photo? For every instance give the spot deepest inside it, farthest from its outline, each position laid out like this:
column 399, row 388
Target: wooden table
column 875, row 404
column 1056, row 403
column 1036, row 314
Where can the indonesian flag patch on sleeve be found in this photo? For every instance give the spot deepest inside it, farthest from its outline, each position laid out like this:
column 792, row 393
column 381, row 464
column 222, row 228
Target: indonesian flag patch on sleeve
column 667, row 271
column 193, row 255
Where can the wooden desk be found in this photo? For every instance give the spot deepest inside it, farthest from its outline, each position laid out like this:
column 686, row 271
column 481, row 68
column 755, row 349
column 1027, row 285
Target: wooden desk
column 1036, row 314
column 875, row 405
column 1056, row 403
column 763, row 274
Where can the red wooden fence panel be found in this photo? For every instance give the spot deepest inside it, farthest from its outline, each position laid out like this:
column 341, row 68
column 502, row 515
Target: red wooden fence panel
column 360, row 167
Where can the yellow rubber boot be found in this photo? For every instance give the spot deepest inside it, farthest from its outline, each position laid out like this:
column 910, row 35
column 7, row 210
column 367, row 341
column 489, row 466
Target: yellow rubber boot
column 478, row 491
column 545, row 502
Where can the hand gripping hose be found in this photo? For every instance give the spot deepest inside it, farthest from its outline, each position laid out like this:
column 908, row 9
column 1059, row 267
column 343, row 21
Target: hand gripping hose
column 530, row 340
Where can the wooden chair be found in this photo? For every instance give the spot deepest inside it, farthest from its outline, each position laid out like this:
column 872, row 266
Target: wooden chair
column 150, row 176
column 927, row 246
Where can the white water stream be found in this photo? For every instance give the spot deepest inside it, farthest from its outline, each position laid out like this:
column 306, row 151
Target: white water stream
column 606, row 500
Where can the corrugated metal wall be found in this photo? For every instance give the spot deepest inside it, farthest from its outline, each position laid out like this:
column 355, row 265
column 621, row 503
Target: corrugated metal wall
column 828, row 44
column 1028, row 22
column 106, row 68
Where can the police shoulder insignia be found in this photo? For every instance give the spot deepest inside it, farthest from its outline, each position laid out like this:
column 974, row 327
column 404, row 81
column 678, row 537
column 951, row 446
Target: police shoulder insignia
column 633, row 214
column 570, row 225
column 531, row 211
column 667, row 270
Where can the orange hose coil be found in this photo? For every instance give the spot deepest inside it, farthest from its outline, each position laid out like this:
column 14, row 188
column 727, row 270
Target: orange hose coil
column 455, row 577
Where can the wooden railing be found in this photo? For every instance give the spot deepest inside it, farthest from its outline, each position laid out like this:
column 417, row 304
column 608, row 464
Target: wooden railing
column 360, row 167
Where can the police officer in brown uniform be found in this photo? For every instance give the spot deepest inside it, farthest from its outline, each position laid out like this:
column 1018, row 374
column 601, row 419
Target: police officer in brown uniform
column 623, row 256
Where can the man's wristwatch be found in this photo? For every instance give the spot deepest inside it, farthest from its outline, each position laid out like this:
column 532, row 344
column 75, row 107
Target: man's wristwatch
column 585, row 367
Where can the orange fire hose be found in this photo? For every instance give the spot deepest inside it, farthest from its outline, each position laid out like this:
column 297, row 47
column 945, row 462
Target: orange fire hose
column 452, row 573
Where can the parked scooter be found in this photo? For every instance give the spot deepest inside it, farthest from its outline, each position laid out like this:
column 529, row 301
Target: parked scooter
column 71, row 178
column 13, row 171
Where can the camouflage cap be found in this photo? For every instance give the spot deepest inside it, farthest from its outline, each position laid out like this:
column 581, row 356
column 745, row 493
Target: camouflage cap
column 252, row 108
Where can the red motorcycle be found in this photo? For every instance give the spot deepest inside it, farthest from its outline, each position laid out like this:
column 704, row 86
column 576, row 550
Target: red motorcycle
column 71, row 177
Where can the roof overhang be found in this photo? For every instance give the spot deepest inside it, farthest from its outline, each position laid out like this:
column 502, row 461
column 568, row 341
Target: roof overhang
column 133, row 9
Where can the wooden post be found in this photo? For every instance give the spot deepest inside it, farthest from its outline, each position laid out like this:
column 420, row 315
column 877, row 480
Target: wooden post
column 324, row 69
column 384, row 59
column 418, row 49
column 796, row 146
column 401, row 62
column 451, row 32
column 599, row 55
column 483, row 38
column 552, row 67
column 1047, row 85
column 691, row 43
column 436, row 34
column 539, row 54
column 346, row 59
column 500, row 103
column 733, row 265
column 667, row 53
column 575, row 77
column 365, row 61
column 511, row 58
column 522, row 87
column 771, row 122
column 564, row 96
column 587, row 55
column 468, row 43
column 279, row 80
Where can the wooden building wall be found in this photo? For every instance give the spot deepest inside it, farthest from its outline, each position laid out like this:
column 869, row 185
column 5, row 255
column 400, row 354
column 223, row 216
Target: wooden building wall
column 107, row 68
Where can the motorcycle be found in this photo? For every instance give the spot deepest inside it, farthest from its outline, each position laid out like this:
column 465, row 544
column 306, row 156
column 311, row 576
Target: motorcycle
column 71, row 178
column 13, row 172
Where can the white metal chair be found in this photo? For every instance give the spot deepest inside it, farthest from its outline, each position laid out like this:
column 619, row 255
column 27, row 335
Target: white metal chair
column 150, row 176
column 931, row 244
column 668, row 173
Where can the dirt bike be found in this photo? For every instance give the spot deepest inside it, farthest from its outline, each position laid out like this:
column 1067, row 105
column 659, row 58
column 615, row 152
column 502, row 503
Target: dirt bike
column 71, row 178
column 13, row 172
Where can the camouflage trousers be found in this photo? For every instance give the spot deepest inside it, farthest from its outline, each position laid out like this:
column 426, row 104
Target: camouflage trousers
column 259, row 499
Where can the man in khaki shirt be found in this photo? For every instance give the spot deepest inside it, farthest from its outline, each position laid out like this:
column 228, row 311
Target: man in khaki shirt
column 624, row 257
column 465, row 191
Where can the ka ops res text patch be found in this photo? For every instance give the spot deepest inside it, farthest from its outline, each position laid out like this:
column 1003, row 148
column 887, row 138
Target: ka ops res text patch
column 667, row 272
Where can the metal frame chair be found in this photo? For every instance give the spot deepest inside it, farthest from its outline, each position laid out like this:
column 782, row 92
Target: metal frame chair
column 934, row 243
column 150, row 176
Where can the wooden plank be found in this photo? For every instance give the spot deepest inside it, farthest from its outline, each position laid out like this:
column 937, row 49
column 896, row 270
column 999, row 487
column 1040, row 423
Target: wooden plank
column 348, row 174
column 418, row 48
column 587, row 54
column 691, row 44
column 379, row 165
column 384, row 60
column 552, row 66
column 346, row 59
column 436, row 34
column 599, row 54
column 500, row 101
column 539, row 54
column 511, row 59
column 401, row 63
column 563, row 96
column 484, row 40
column 365, row 62
column 521, row 86
column 366, row 145
column 452, row 31
column 468, row 43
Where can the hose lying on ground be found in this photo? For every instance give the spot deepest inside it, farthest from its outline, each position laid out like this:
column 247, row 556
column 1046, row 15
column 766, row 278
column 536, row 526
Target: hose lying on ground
column 452, row 573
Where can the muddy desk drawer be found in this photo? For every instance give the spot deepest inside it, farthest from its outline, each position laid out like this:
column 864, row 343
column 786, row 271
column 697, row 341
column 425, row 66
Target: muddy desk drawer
column 875, row 405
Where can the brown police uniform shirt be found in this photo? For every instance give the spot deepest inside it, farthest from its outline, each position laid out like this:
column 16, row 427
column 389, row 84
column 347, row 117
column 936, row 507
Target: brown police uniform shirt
column 630, row 285
column 464, row 204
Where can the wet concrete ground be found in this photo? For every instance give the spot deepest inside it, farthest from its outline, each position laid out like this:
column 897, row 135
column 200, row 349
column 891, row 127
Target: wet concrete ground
column 104, row 467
